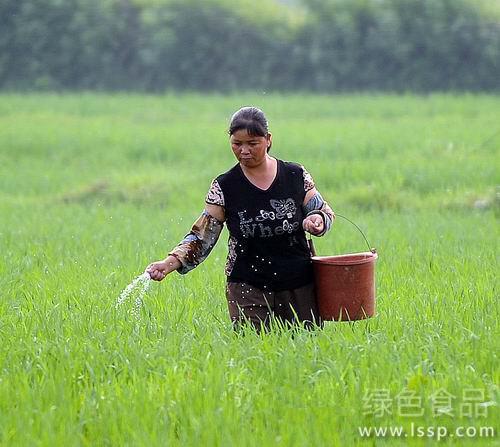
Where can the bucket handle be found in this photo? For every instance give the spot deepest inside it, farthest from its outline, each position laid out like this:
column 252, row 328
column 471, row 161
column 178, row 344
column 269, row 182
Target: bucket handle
column 311, row 243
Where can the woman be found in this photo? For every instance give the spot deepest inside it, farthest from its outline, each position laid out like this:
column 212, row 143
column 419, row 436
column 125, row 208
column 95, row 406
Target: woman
column 267, row 204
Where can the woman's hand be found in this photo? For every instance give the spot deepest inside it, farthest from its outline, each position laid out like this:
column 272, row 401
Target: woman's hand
column 313, row 224
column 157, row 270
column 160, row 269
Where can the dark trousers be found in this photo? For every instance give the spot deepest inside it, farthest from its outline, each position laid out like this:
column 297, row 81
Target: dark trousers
column 289, row 307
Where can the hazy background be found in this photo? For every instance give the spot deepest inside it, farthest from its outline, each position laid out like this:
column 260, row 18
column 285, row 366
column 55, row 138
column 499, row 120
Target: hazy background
column 264, row 45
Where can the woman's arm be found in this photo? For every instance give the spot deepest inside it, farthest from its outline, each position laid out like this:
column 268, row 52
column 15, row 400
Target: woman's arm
column 319, row 215
column 195, row 246
column 159, row 269
column 216, row 211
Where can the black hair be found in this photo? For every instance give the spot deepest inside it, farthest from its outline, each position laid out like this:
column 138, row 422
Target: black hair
column 252, row 120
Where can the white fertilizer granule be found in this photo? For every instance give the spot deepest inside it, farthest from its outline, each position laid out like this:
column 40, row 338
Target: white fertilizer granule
column 138, row 287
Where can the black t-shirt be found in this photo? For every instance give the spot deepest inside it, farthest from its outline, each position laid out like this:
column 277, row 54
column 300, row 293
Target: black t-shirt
column 267, row 245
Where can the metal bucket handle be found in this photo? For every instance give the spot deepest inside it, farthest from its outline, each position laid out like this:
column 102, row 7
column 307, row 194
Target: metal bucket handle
column 311, row 243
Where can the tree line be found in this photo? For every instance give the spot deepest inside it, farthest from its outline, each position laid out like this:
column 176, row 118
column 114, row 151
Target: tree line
column 222, row 45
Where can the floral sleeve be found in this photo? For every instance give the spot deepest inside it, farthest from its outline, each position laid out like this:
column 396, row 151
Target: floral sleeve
column 308, row 180
column 215, row 196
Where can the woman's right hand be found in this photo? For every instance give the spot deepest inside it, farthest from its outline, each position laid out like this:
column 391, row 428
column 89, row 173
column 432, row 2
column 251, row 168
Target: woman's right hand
column 159, row 269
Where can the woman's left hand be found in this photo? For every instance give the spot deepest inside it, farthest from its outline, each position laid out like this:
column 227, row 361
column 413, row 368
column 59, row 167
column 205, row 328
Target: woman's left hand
column 313, row 224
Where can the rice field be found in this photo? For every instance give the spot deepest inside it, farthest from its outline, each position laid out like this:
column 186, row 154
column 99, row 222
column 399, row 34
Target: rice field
column 93, row 187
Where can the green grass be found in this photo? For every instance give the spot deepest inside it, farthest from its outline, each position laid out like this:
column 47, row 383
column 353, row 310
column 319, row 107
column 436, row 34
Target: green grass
column 94, row 187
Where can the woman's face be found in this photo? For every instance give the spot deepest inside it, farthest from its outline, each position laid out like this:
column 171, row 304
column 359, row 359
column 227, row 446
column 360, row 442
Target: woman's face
column 250, row 150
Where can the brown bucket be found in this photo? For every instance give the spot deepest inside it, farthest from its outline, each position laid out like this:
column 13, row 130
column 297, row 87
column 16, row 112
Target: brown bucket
column 345, row 284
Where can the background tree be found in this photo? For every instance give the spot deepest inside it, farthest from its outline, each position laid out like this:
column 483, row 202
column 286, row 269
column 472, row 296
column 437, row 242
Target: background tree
column 213, row 45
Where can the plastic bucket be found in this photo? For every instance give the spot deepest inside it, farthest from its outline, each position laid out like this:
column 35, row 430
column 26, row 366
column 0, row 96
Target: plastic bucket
column 345, row 286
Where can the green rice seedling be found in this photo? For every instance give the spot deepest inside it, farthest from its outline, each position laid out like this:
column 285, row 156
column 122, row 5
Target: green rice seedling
column 93, row 187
